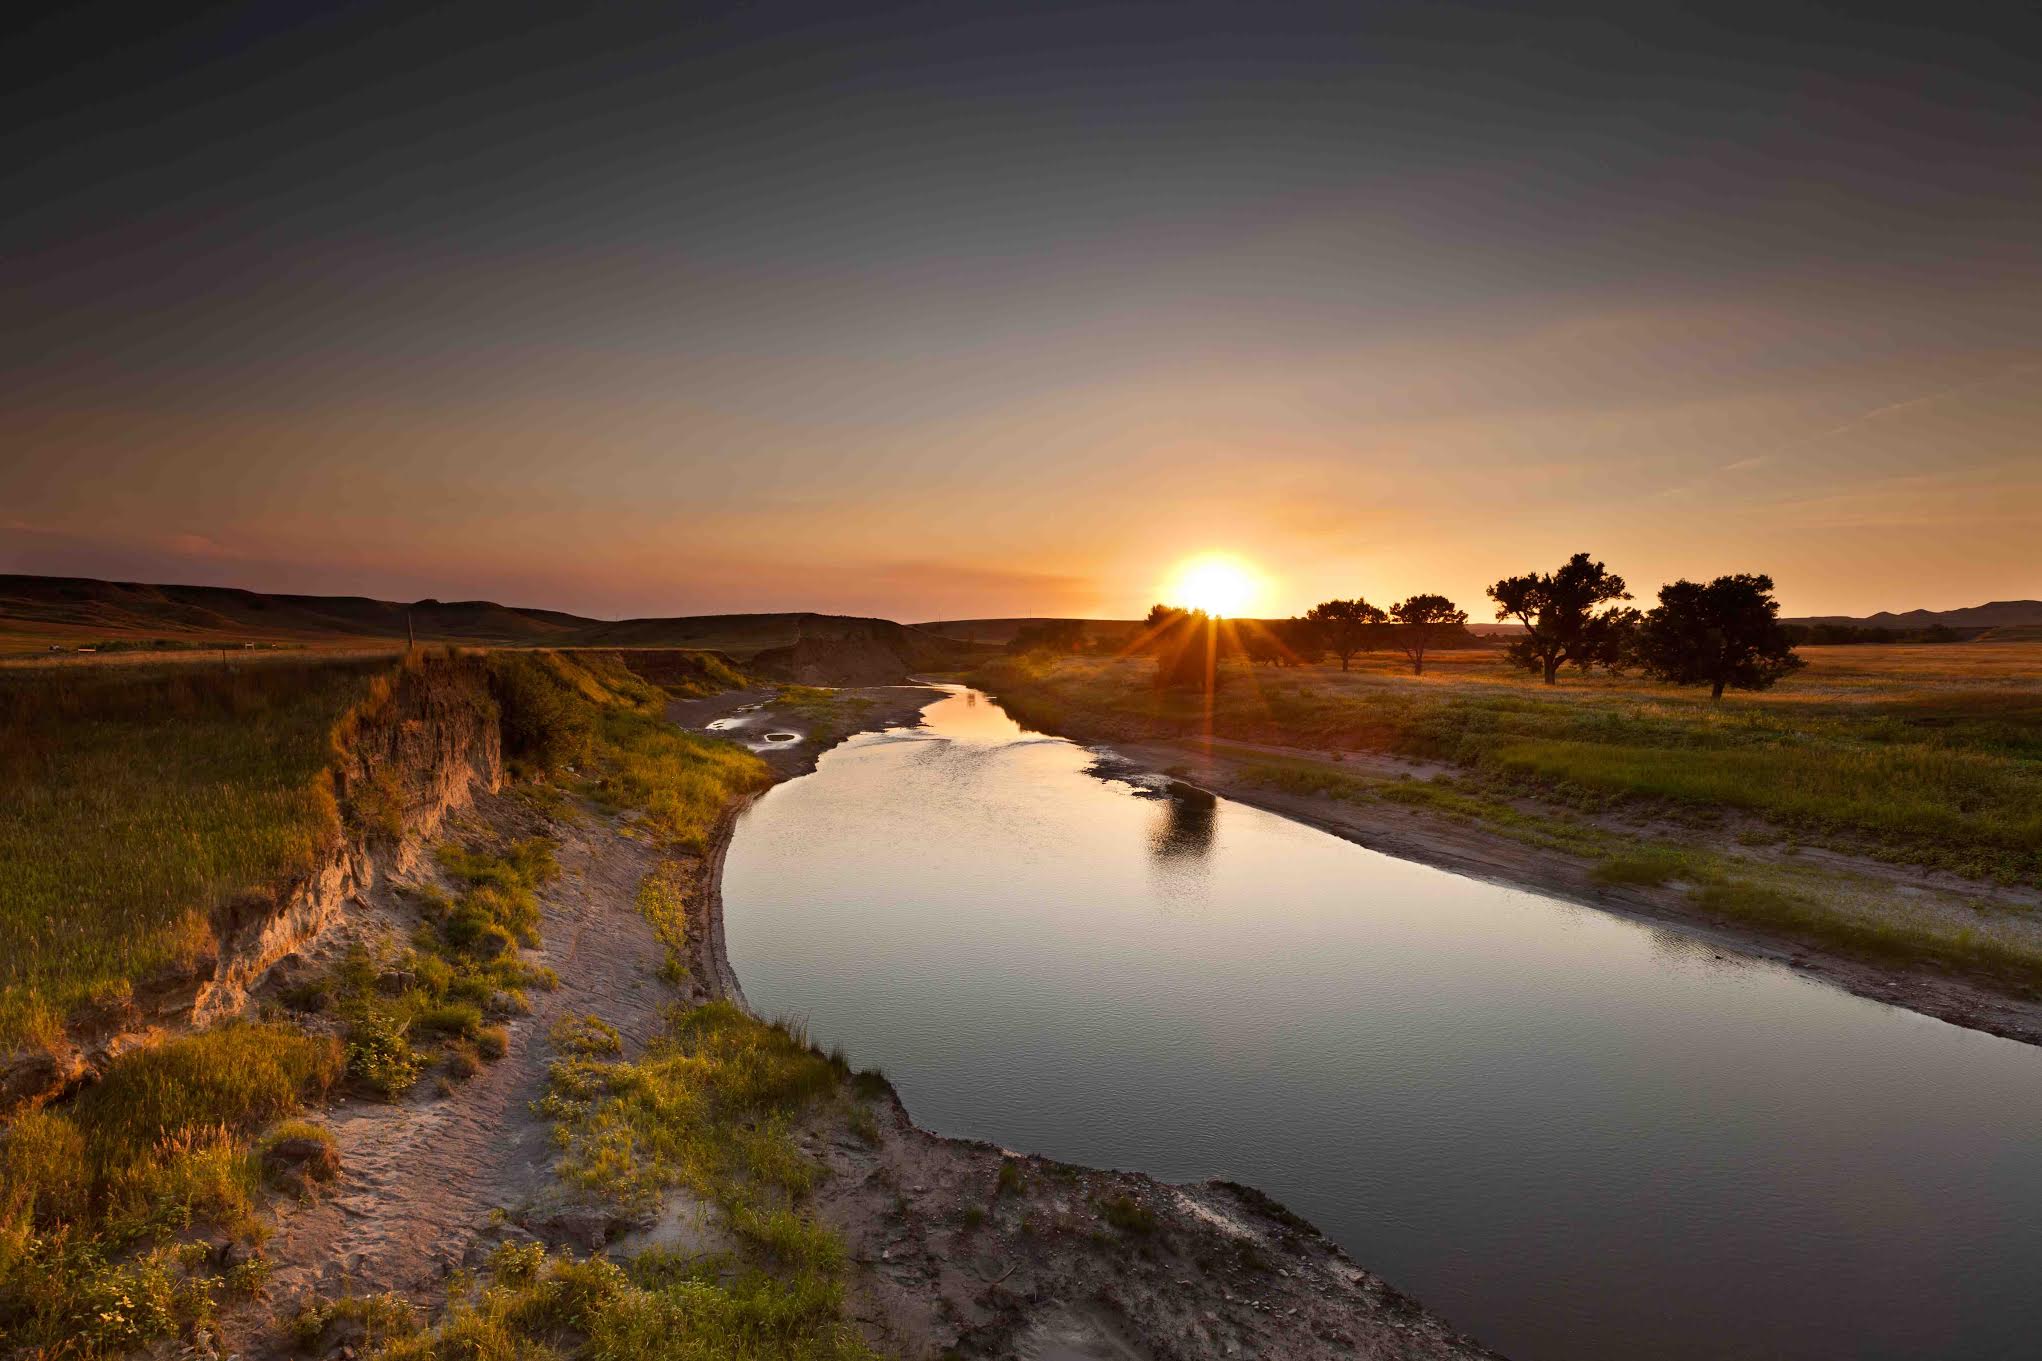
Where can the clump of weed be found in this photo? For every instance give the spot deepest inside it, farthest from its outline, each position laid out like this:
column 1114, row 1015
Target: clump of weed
column 1128, row 1215
column 586, row 1037
column 710, row 1106
column 376, row 1320
column 1647, row 866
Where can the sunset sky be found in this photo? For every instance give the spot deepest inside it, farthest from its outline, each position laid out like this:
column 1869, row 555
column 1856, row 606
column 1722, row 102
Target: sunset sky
column 962, row 308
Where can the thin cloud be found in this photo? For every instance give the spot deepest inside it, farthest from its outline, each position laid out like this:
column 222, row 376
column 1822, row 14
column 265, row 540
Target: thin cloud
column 1928, row 399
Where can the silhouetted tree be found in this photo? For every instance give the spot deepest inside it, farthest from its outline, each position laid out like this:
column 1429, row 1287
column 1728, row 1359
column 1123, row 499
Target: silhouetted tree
column 1345, row 626
column 1419, row 619
column 1557, row 610
column 1299, row 638
column 1187, row 648
column 1163, row 622
column 1727, row 633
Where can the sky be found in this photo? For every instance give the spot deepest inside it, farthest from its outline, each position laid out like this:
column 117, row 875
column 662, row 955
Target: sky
column 975, row 309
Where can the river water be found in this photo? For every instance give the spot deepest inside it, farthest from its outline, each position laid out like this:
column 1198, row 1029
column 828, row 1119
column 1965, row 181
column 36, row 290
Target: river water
column 1574, row 1135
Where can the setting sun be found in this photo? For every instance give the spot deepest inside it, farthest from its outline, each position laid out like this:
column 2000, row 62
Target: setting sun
column 1215, row 583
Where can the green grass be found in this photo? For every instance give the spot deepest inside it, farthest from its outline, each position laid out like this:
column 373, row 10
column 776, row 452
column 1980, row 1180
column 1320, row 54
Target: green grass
column 663, row 901
column 1128, row 1215
column 1931, row 756
column 405, row 1009
column 830, row 715
column 99, row 1202
column 681, row 782
column 589, row 712
column 134, row 802
column 706, row 1108
column 655, row 1307
column 1645, row 866
column 710, row 1108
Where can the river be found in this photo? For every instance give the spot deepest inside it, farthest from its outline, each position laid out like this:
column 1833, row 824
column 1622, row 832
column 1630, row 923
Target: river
column 1574, row 1135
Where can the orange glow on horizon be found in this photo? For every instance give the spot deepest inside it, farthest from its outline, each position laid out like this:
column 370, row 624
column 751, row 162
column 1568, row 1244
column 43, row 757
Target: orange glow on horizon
column 1218, row 583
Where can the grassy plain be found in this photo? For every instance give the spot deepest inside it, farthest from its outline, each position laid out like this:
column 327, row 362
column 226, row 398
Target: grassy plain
column 134, row 801
column 1930, row 755
column 1921, row 755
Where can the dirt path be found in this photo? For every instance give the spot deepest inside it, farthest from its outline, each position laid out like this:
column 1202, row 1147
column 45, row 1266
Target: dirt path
column 420, row 1177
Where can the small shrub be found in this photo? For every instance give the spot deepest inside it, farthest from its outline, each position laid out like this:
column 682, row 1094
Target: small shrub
column 379, row 1055
column 461, row 1019
column 586, row 1036
column 492, row 1042
column 1128, row 1215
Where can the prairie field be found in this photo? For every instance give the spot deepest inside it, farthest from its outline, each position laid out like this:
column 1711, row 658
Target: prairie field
column 136, row 800
column 1923, row 754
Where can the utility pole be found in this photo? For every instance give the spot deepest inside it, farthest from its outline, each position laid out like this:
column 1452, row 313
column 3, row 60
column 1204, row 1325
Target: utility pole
column 410, row 635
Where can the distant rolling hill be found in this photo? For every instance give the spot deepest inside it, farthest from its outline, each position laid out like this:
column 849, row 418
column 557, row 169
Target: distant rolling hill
column 1002, row 631
column 37, row 613
column 1996, row 614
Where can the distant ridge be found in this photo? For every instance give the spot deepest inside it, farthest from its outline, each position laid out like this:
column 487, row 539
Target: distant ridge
column 1993, row 614
column 37, row 613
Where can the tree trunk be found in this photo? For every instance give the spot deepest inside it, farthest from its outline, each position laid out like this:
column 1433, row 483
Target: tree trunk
column 1343, row 660
column 1716, row 691
column 1552, row 669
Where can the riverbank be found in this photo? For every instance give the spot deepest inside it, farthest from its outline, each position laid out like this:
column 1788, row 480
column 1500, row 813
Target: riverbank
column 642, row 1148
column 965, row 1249
column 1896, row 928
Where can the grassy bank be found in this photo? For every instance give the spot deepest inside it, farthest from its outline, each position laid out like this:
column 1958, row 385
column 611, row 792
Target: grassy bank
column 1935, row 761
column 709, row 1109
column 590, row 718
column 125, row 1218
column 135, row 802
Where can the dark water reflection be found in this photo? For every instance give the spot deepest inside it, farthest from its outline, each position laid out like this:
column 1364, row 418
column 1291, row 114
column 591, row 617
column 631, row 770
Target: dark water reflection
column 1574, row 1135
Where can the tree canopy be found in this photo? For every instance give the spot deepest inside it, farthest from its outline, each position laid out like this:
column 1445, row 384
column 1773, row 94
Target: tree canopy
column 1345, row 627
column 1727, row 633
column 1419, row 618
column 1558, row 611
column 1186, row 644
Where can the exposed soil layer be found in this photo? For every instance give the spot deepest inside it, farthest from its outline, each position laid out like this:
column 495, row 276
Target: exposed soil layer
column 406, row 765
